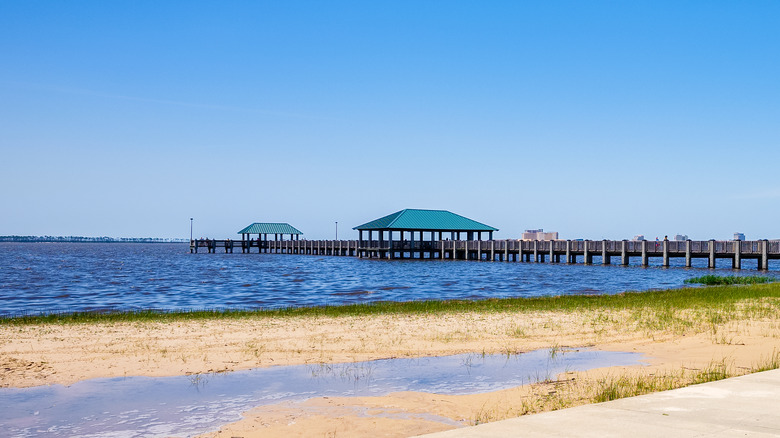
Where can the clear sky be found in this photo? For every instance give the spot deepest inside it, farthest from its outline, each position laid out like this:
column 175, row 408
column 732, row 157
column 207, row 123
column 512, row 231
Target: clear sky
column 597, row 119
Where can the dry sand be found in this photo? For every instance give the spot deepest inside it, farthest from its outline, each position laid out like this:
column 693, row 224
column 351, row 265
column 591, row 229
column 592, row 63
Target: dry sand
column 64, row 354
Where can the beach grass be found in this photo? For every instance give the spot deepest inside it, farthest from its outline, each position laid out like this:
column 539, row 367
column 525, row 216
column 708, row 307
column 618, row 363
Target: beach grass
column 558, row 394
column 666, row 306
column 720, row 280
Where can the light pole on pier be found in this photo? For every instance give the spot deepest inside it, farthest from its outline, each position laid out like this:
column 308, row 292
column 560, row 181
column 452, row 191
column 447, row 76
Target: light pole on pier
column 190, row 229
column 337, row 230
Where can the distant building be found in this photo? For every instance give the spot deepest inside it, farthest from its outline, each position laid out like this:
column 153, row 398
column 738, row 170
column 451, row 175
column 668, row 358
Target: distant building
column 739, row 236
column 540, row 235
column 639, row 237
column 681, row 237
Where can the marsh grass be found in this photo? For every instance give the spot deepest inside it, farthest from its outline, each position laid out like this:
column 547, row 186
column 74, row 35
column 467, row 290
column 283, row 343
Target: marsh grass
column 673, row 308
column 720, row 280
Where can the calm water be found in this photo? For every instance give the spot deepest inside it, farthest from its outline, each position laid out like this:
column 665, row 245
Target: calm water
column 189, row 405
column 55, row 277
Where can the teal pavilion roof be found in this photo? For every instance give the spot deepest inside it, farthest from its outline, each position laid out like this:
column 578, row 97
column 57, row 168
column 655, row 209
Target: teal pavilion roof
column 270, row 228
column 413, row 219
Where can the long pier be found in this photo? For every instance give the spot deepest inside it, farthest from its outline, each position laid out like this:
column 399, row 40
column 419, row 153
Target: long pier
column 540, row 251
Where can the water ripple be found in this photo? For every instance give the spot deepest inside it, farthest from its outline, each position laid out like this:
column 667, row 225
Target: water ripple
column 39, row 278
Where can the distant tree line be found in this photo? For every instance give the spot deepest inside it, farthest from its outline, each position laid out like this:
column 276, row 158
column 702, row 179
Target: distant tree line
column 89, row 239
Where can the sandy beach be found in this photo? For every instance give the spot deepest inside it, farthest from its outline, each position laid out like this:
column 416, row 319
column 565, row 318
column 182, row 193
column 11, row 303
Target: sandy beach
column 43, row 354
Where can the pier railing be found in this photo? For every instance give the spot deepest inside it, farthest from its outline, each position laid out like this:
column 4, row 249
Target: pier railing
column 568, row 251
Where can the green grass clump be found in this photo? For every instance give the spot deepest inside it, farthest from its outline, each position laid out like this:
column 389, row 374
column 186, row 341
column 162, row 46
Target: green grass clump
column 613, row 388
column 719, row 280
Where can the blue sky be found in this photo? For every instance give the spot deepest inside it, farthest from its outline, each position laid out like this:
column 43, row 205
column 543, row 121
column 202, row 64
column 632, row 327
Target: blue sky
column 598, row 119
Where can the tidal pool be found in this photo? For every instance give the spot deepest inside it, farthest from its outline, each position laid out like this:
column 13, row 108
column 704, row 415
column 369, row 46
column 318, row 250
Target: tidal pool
column 194, row 404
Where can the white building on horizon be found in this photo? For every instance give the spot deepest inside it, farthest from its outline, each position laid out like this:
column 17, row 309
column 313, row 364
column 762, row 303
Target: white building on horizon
column 540, row 235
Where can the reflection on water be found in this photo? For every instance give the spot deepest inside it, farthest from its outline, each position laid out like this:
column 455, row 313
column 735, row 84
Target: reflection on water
column 189, row 405
column 55, row 277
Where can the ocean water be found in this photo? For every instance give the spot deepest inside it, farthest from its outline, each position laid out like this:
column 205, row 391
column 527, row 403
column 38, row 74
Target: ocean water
column 40, row 278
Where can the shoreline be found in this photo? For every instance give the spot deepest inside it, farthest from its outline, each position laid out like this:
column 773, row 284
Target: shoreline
column 679, row 331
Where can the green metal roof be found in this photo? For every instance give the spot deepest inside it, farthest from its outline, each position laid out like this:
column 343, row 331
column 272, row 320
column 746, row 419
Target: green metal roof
column 411, row 219
column 270, row 228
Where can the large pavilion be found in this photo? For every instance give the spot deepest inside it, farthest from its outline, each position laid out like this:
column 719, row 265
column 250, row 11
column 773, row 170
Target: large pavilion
column 416, row 224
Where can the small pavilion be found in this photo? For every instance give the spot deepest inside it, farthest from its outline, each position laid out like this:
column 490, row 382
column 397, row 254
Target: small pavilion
column 417, row 223
column 265, row 229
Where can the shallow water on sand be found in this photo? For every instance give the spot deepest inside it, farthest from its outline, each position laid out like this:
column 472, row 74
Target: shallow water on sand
column 189, row 405
column 65, row 277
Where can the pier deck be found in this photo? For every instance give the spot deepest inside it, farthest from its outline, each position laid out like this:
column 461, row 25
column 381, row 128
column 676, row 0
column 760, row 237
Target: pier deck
column 554, row 251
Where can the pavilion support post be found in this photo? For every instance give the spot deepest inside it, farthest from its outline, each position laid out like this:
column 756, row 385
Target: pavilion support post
column 390, row 244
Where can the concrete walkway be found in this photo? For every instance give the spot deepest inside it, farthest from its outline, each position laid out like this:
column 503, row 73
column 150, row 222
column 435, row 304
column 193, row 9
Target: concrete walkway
column 737, row 407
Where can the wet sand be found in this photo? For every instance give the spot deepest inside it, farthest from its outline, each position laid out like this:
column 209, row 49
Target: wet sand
column 51, row 353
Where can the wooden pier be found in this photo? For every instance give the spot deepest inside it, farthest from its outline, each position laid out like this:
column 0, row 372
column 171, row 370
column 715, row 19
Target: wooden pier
column 553, row 251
